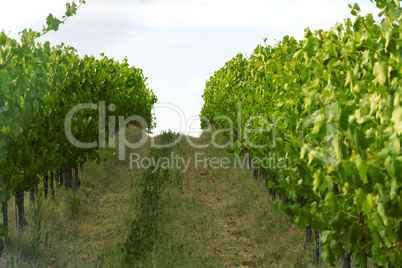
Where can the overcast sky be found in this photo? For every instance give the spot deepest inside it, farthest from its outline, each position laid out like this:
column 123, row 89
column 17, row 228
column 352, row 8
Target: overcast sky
column 178, row 43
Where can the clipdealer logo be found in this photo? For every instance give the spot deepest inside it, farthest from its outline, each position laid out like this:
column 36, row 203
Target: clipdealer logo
column 326, row 153
column 200, row 161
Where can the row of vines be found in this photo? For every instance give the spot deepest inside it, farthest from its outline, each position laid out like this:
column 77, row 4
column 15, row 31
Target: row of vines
column 40, row 84
column 330, row 105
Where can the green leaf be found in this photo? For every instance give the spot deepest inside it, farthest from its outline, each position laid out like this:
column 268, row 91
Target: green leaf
column 356, row 7
column 5, row 129
column 53, row 23
column 379, row 47
column 361, row 166
column 349, row 78
column 327, row 255
column 5, row 81
column 397, row 120
column 71, row 9
column 390, row 166
column 28, row 37
column 380, row 71
column 3, row 39
column 382, row 213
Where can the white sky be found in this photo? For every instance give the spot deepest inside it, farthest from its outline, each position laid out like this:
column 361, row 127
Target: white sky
column 178, row 43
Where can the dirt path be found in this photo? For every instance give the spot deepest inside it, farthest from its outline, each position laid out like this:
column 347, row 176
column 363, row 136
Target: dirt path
column 229, row 218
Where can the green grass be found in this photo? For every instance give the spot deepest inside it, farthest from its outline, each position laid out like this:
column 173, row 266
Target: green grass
column 208, row 218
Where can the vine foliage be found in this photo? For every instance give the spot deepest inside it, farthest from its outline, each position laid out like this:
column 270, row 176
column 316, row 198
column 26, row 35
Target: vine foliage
column 39, row 85
column 331, row 106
